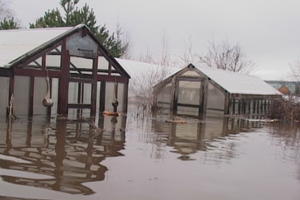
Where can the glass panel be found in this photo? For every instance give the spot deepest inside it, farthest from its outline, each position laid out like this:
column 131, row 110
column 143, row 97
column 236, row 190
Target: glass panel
column 81, row 45
column 215, row 98
column 36, row 63
column 81, row 63
column 189, row 92
column 54, row 95
column 98, row 98
column 102, row 63
column 164, row 98
column 120, row 97
column 21, row 94
column 109, row 96
column 4, row 92
column 40, row 91
column 183, row 110
column 191, row 73
column 73, row 93
column 53, row 61
column 87, row 93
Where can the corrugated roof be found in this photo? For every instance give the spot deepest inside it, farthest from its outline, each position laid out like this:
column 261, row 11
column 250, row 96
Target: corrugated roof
column 17, row 43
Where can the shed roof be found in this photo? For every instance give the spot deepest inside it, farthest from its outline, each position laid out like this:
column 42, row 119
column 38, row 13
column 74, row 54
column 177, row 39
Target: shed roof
column 239, row 83
column 17, row 43
column 232, row 82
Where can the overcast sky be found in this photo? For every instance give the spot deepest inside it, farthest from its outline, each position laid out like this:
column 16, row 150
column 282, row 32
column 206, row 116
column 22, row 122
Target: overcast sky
column 267, row 30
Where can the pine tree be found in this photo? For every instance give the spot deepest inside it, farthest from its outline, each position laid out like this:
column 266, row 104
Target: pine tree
column 73, row 15
column 8, row 23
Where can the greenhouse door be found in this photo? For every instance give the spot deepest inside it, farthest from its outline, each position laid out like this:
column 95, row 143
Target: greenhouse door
column 79, row 98
column 188, row 97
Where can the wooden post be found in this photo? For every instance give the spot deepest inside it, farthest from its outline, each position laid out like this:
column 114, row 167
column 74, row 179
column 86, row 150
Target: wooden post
column 31, row 96
column 63, row 90
column 125, row 98
column 233, row 106
column 204, row 98
column 102, row 96
column 173, row 98
column 94, row 88
column 226, row 104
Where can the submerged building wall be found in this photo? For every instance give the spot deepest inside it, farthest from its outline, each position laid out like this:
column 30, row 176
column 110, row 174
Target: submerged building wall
column 77, row 73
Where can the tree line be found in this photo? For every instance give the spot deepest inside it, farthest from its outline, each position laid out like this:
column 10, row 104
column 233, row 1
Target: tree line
column 70, row 14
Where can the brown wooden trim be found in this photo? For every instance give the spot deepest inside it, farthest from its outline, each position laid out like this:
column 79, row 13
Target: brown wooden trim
column 64, row 81
column 102, row 96
column 36, row 72
column 188, row 105
column 27, row 60
column 31, row 97
column 81, row 106
column 94, row 88
column 125, row 98
column 112, row 78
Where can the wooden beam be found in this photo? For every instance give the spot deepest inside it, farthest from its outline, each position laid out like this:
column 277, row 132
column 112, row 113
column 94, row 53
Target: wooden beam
column 64, row 82
column 125, row 98
column 80, row 106
column 94, row 88
column 31, row 97
column 102, row 96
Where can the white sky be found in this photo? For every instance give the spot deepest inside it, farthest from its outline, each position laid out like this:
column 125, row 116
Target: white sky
column 267, row 30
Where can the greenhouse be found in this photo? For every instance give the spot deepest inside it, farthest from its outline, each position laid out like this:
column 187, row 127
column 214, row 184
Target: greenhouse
column 63, row 71
column 203, row 91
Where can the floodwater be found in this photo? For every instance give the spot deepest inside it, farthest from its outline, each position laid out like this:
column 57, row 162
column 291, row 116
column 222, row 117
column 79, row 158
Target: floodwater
column 121, row 158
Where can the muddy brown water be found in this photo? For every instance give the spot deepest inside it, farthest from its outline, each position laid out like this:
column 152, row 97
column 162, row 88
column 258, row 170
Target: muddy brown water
column 128, row 158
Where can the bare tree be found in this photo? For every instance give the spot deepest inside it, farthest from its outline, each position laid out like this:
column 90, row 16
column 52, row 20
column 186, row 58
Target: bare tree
column 188, row 56
column 226, row 56
column 295, row 70
column 5, row 11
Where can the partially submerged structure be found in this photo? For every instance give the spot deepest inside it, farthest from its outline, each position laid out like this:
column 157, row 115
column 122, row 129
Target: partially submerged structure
column 66, row 67
column 196, row 91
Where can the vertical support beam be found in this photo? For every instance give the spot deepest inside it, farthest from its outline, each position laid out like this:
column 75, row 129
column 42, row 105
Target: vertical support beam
column 125, row 97
column 79, row 97
column 44, row 61
column 31, row 96
column 109, row 69
column 239, row 106
column 204, row 94
column 233, row 106
column 102, row 96
column 254, row 106
column 94, row 88
column 226, row 104
column 173, row 105
column 63, row 90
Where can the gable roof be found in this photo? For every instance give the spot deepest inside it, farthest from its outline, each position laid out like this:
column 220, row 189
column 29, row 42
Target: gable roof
column 232, row 82
column 19, row 44
column 238, row 83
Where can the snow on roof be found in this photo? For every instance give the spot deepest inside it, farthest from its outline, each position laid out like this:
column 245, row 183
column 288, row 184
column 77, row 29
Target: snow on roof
column 233, row 82
column 16, row 43
column 138, row 69
column 238, row 83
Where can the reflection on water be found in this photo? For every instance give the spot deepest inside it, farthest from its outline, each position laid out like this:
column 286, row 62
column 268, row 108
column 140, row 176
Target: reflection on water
column 198, row 135
column 160, row 160
column 69, row 152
